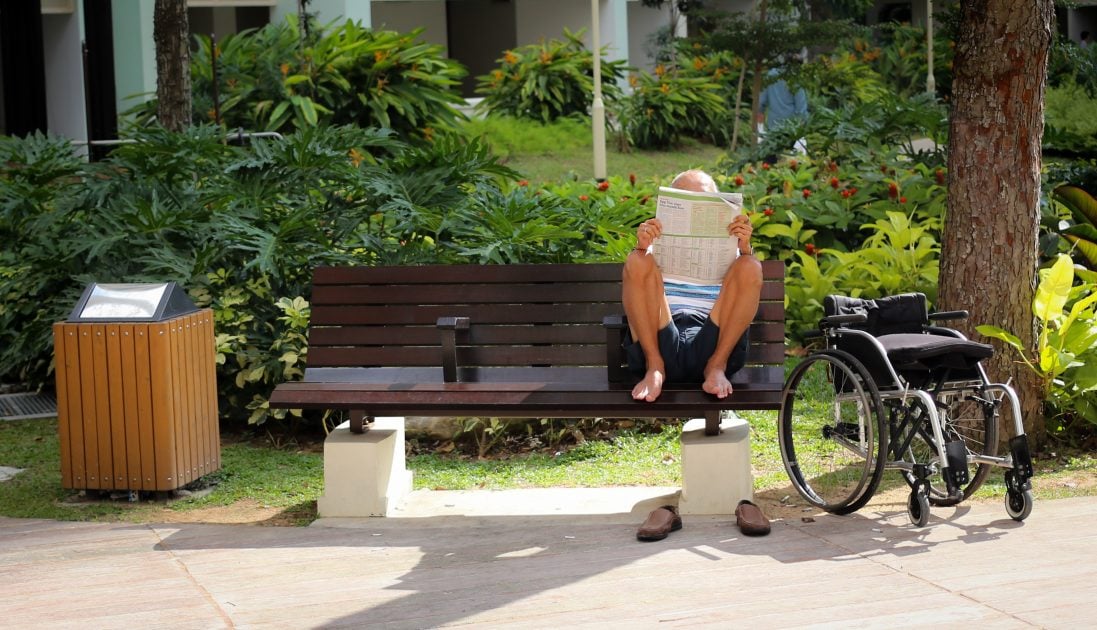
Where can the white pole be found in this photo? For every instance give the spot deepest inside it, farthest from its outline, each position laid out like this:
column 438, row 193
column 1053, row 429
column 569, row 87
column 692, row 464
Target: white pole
column 598, row 109
column 931, row 84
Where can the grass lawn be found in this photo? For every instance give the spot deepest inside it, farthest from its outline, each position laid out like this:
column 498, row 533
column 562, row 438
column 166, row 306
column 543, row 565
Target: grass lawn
column 281, row 484
column 563, row 151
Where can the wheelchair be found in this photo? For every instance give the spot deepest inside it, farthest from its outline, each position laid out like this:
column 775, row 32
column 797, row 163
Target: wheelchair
column 893, row 390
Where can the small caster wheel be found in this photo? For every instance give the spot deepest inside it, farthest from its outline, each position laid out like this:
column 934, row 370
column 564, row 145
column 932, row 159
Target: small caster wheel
column 918, row 508
column 1018, row 504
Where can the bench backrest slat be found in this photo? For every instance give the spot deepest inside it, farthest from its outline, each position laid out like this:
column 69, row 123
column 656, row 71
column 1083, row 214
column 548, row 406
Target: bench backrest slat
column 519, row 315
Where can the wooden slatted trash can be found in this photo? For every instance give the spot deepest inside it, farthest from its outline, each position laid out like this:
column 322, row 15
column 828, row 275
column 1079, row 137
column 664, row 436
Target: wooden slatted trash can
column 137, row 400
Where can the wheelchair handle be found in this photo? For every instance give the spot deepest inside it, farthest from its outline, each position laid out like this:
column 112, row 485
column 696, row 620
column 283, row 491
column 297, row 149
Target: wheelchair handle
column 948, row 315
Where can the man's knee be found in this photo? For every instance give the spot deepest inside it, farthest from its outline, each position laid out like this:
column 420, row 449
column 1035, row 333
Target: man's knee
column 639, row 267
column 746, row 274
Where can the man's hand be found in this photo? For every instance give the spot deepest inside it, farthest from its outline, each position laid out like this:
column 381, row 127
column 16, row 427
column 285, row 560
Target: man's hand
column 649, row 231
column 741, row 229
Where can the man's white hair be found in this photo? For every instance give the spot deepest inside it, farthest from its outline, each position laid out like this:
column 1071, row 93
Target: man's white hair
column 694, row 179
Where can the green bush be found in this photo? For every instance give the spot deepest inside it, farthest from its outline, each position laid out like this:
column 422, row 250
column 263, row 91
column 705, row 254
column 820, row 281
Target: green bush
column 547, row 81
column 1071, row 116
column 665, row 106
column 1066, row 347
column 267, row 79
column 240, row 227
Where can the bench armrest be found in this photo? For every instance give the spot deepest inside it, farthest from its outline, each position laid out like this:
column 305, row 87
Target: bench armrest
column 448, row 326
column 615, row 326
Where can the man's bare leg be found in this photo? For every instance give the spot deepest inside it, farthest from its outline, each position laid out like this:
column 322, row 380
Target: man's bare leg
column 733, row 312
column 648, row 312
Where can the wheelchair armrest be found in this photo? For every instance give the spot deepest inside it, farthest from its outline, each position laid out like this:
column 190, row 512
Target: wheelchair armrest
column 811, row 333
column 835, row 321
column 943, row 315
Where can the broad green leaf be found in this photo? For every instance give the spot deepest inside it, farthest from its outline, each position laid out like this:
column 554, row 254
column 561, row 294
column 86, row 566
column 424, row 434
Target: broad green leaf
column 1053, row 290
column 1082, row 205
column 995, row 332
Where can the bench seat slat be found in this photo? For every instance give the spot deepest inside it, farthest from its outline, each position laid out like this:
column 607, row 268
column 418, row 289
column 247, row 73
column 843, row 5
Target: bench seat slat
column 489, row 314
column 549, row 355
column 750, row 376
column 492, row 335
column 533, row 293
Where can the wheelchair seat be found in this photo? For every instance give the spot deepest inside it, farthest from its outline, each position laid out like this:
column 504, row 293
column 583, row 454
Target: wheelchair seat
column 921, row 351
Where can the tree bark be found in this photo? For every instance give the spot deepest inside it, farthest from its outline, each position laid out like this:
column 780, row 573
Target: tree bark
column 989, row 246
column 171, row 33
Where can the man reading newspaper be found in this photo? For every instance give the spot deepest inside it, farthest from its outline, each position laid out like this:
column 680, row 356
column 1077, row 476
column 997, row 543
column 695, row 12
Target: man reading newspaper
column 683, row 331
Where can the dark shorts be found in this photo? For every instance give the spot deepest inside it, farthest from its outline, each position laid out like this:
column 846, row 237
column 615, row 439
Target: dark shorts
column 686, row 344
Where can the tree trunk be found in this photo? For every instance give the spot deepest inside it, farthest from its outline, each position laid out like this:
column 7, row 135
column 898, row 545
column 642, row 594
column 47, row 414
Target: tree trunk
column 989, row 249
column 756, row 85
column 171, row 34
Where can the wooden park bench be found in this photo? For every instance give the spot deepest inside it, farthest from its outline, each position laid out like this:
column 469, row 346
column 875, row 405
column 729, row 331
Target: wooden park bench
column 502, row 341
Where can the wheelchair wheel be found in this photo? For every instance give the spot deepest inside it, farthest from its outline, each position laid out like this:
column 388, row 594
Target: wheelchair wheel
column 970, row 417
column 918, row 508
column 831, row 432
column 1019, row 504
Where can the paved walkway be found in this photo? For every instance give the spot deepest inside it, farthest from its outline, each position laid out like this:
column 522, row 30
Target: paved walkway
column 971, row 566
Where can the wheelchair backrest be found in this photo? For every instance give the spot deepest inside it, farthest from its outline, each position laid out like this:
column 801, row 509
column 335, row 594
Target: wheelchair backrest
column 902, row 313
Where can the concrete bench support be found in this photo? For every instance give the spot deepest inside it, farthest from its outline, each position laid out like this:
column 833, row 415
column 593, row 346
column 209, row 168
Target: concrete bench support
column 716, row 471
column 364, row 474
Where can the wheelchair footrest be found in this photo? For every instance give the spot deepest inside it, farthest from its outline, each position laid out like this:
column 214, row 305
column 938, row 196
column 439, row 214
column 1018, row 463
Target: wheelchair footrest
column 956, row 455
column 1022, row 457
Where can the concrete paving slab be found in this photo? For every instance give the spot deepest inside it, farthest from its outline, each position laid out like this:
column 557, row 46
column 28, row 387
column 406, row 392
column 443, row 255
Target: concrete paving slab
column 480, row 561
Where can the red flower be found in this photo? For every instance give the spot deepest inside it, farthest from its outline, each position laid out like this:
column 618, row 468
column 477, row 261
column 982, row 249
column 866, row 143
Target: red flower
column 893, row 190
column 739, row 180
column 833, row 167
column 807, row 193
column 583, row 197
column 846, row 194
column 884, row 169
column 765, row 166
column 632, row 179
column 603, row 186
column 768, row 212
column 811, row 250
column 940, row 174
column 902, row 199
column 853, row 191
column 834, row 182
column 644, row 199
column 523, row 182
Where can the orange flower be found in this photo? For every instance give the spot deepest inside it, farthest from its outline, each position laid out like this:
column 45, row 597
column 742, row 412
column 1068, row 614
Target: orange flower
column 523, row 182
column 660, row 70
column 285, row 69
column 355, row 157
column 545, row 57
column 793, row 164
column 603, row 186
column 378, row 56
column 698, row 63
column 583, row 197
column 665, row 88
column 510, row 57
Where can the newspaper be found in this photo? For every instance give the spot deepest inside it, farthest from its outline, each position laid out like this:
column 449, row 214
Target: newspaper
column 695, row 246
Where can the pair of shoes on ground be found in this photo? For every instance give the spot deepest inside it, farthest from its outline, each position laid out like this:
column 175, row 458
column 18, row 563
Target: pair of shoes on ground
column 664, row 520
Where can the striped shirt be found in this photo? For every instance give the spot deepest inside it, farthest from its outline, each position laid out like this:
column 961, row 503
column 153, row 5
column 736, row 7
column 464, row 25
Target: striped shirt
column 686, row 295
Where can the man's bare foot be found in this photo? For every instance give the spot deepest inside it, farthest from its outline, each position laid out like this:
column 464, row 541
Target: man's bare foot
column 650, row 387
column 716, row 382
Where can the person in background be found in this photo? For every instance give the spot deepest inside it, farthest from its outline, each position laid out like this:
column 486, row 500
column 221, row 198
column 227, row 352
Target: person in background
column 778, row 104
